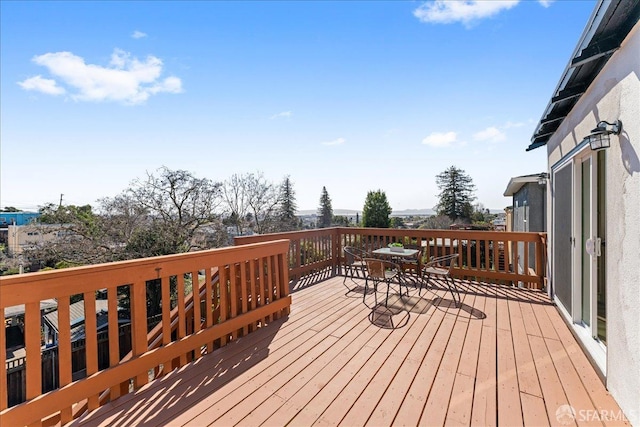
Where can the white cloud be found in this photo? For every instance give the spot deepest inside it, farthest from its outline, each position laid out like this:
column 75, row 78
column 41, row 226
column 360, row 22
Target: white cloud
column 490, row 134
column 338, row 141
column 465, row 11
column 545, row 3
column 438, row 139
column 282, row 115
column 39, row 84
column 138, row 34
column 510, row 125
column 126, row 79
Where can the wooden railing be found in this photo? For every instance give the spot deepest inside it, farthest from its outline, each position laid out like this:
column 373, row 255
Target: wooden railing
column 309, row 250
column 208, row 299
column 494, row 256
column 251, row 290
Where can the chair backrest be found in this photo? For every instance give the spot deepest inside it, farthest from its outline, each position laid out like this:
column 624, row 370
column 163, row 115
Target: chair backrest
column 445, row 261
column 375, row 268
column 353, row 254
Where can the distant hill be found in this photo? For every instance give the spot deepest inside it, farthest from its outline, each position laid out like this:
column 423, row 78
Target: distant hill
column 350, row 212
column 405, row 212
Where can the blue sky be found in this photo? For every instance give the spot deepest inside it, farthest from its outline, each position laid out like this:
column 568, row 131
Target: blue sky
column 354, row 96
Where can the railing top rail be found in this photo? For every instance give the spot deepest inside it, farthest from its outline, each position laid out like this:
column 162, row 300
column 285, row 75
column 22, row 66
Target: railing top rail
column 293, row 235
column 457, row 234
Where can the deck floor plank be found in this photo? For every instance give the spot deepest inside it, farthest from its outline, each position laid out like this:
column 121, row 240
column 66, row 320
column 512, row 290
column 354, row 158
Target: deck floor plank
column 349, row 395
column 435, row 410
column 408, row 355
column 461, row 406
column 484, row 409
column 504, row 357
column 599, row 396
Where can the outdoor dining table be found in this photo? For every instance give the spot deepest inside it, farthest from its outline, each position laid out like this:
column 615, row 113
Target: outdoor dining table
column 396, row 253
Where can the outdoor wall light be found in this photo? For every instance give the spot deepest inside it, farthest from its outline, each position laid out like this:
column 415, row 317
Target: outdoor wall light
column 542, row 178
column 599, row 137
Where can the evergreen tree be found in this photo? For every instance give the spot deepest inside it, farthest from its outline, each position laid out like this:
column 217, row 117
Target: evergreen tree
column 325, row 211
column 287, row 214
column 456, row 194
column 376, row 210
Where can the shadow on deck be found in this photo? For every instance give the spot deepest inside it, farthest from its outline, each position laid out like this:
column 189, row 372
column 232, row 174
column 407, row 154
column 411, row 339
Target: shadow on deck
column 503, row 357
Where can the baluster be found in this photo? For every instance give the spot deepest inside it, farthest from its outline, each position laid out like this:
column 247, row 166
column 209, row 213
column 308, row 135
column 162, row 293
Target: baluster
column 224, row 299
column 253, row 294
column 139, row 326
column 32, row 335
column 208, row 303
column 269, row 285
column 114, row 336
column 263, row 287
column 195, row 292
column 233, row 296
column 182, row 320
column 243, row 293
column 91, row 342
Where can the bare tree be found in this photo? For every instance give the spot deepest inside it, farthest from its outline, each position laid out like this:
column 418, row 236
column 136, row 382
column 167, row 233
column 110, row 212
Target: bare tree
column 251, row 202
column 263, row 200
column 236, row 197
column 178, row 205
column 168, row 212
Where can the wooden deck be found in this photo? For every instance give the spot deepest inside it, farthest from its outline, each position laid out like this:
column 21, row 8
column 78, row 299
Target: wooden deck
column 504, row 358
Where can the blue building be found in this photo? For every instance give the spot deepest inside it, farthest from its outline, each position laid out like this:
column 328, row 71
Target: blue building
column 17, row 218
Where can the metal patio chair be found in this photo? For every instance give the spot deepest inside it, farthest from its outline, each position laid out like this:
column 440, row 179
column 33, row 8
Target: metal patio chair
column 354, row 265
column 441, row 267
column 380, row 270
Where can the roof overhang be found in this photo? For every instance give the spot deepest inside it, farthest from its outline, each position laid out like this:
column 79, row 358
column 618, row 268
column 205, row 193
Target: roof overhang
column 516, row 183
column 610, row 23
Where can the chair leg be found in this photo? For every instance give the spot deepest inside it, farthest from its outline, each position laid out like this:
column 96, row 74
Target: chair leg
column 402, row 281
column 454, row 290
column 364, row 294
column 425, row 282
column 386, row 301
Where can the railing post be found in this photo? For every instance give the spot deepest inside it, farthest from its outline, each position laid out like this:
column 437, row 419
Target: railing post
column 337, row 249
column 4, row 398
column 540, row 255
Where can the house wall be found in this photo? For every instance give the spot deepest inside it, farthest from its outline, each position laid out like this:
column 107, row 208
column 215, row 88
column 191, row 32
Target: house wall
column 529, row 208
column 529, row 215
column 21, row 236
column 615, row 94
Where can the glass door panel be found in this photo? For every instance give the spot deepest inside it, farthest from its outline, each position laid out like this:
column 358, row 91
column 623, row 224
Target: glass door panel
column 602, row 232
column 586, row 235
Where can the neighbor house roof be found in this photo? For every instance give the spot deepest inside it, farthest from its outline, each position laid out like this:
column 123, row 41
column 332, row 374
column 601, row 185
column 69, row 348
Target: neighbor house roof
column 16, row 310
column 608, row 26
column 76, row 317
column 516, row 183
